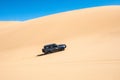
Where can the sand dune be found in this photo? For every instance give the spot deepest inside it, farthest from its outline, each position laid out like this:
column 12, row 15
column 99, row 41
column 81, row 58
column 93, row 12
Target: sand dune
column 6, row 26
column 8, row 23
column 93, row 53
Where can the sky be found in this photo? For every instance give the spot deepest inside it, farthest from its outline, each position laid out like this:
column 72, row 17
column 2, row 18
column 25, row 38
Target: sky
column 21, row 10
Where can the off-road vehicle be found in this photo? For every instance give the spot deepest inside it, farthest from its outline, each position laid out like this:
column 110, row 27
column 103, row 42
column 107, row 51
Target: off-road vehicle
column 51, row 48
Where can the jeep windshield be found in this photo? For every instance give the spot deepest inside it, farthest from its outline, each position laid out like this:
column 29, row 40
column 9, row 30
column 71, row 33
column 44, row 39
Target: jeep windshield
column 50, row 46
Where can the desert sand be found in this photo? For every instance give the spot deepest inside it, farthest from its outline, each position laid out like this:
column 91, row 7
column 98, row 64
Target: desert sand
column 92, row 36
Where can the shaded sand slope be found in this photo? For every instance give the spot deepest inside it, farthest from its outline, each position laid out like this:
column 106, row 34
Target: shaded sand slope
column 6, row 26
column 7, row 23
column 93, row 47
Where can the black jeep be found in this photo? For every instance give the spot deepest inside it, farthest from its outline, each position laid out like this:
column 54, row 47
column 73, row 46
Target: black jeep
column 51, row 48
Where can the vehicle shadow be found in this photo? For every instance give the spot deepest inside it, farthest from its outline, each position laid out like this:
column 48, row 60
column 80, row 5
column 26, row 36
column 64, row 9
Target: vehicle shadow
column 43, row 54
column 48, row 53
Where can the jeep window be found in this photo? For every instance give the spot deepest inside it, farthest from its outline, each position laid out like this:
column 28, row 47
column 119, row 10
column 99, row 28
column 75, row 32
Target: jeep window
column 54, row 46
